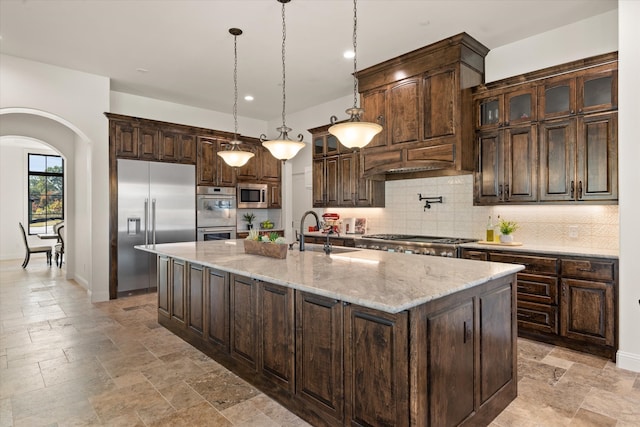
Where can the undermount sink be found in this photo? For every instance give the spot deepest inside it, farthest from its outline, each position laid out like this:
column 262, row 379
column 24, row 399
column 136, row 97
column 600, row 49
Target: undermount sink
column 308, row 247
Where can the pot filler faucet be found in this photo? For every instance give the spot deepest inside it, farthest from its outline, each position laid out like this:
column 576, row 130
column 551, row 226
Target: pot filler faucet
column 304, row 216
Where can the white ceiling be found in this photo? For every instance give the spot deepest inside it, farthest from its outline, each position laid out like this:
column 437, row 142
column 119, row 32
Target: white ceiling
column 188, row 52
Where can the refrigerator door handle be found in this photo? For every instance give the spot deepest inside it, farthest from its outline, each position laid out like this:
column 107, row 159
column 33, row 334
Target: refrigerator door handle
column 153, row 219
column 146, row 222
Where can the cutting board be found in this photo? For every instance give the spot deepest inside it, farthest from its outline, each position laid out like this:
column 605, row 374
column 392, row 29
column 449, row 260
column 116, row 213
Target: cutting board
column 484, row 242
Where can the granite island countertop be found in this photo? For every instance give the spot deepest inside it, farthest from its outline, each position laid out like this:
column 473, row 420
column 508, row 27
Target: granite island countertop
column 389, row 282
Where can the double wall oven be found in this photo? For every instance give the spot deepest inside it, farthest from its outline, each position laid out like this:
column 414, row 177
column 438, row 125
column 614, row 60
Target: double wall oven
column 215, row 213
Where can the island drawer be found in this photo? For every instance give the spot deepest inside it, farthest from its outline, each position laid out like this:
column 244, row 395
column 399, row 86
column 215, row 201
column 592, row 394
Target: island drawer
column 538, row 317
column 588, row 269
column 537, row 288
column 532, row 264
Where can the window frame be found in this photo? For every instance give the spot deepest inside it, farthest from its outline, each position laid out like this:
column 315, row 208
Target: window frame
column 46, row 174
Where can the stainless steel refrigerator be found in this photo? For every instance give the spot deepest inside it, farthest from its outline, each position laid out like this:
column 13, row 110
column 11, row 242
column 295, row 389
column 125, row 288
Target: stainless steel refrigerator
column 156, row 204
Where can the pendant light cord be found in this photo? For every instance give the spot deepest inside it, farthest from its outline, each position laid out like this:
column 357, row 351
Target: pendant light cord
column 235, row 86
column 355, row 56
column 284, row 92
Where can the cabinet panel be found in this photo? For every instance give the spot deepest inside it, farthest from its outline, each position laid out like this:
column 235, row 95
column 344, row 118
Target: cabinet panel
column 557, row 98
column 347, row 180
column 488, row 168
column 538, row 317
column 126, row 140
column 163, row 285
column 217, row 311
column 244, row 328
column 589, row 269
column 588, row 311
column 225, row 175
column 177, row 291
column 275, row 196
column 597, row 160
column 450, row 367
column 319, row 334
column 196, row 298
column 270, row 166
column 276, row 318
column 251, row 170
column 521, row 160
column 557, row 160
column 496, row 355
column 374, row 103
column 376, row 371
column 331, row 181
column 439, row 90
column 206, row 166
column 532, row 263
column 318, row 189
column 403, row 103
column 537, row 288
column 148, row 143
column 169, row 146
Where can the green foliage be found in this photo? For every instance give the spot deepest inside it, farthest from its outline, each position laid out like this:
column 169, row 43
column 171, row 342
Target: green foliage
column 248, row 217
column 507, row 227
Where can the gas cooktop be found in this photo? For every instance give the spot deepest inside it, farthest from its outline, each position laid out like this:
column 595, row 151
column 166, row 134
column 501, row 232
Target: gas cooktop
column 419, row 239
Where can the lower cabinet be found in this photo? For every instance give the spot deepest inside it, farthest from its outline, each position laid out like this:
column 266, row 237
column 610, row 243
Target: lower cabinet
column 319, row 353
column 565, row 301
column 243, row 320
column 376, row 367
column 447, row 362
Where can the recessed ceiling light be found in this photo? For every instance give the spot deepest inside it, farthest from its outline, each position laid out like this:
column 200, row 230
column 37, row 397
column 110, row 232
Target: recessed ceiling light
column 142, row 70
column 248, row 98
column 349, row 54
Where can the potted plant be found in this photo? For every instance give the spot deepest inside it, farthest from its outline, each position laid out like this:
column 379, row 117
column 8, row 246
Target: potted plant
column 506, row 230
column 249, row 217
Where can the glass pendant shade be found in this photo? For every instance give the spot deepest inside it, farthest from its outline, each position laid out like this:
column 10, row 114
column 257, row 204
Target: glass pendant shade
column 354, row 133
column 282, row 148
column 234, row 157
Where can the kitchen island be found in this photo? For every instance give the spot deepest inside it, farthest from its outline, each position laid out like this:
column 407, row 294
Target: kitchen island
column 357, row 337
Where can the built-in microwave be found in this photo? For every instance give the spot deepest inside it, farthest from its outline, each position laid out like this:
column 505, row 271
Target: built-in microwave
column 252, row 196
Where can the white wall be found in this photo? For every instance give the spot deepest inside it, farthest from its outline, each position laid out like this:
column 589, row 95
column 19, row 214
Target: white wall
column 75, row 100
column 148, row 108
column 629, row 159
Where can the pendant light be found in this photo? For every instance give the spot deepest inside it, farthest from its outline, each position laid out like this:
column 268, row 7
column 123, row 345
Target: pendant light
column 282, row 147
column 233, row 156
column 354, row 133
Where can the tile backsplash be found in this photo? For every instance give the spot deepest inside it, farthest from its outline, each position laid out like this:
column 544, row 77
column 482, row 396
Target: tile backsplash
column 591, row 226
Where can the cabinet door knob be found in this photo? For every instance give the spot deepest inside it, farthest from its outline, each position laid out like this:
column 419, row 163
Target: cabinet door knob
column 506, row 192
column 500, row 192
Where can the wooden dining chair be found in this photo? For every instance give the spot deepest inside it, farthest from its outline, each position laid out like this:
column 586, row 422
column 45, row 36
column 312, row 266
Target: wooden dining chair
column 59, row 247
column 33, row 249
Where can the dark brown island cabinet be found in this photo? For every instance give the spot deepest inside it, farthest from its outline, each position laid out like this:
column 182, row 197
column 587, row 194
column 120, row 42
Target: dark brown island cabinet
column 448, row 362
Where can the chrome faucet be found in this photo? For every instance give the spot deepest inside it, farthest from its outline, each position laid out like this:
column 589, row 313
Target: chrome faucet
column 304, row 216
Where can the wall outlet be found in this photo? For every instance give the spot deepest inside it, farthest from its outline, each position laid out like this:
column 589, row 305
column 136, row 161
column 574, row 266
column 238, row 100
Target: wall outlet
column 573, row 231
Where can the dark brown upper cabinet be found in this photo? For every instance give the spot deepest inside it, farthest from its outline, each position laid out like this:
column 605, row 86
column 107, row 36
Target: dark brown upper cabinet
column 549, row 135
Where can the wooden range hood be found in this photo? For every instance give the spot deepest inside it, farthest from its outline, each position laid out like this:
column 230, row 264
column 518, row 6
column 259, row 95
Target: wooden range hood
column 423, row 100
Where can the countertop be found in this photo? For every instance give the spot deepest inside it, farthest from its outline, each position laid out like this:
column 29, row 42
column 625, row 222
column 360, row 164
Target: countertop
column 389, row 282
column 544, row 249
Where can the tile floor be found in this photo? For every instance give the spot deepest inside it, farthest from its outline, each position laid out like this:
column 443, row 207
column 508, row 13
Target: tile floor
column 67, row 362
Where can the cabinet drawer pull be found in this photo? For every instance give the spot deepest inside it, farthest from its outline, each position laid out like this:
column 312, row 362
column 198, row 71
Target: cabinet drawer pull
column 586, row 270
column 506, row 192
column 500, row 192
column 573, row 189
column 468, row 333
column 579, row 190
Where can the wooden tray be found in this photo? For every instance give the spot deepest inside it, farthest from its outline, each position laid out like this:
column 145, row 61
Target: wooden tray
column 484, row 242
column 273, row 250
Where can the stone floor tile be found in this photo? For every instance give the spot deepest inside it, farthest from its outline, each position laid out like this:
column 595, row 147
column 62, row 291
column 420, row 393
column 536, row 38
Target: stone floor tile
column 124, row 400
column 167, row 374
column 181, row 396
column 200, row 415
column 223, row 389
column 579, row 357
column 6, row 413
column 622, row 407
column 82, row 369
column 586, row 418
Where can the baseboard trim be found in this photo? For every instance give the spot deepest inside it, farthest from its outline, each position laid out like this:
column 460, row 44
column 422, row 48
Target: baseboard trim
column 628, row 361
